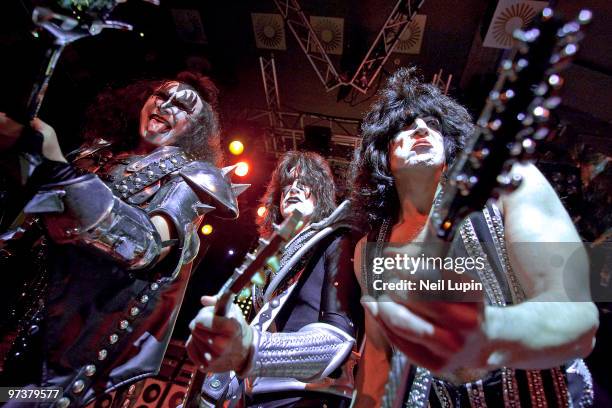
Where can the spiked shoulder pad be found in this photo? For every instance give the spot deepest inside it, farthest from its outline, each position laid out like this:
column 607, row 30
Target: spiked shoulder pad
column 213, row 187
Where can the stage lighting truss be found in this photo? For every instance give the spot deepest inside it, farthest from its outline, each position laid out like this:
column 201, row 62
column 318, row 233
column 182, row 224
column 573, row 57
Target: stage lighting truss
column 308, row 41
column 377, row 55
column 270, row 84
column 441, row 83
column 285, row 130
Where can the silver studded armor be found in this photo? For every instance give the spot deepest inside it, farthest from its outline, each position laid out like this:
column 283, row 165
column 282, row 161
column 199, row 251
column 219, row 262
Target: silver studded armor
column 106, row 326
column 309, row 354
column 85, row 212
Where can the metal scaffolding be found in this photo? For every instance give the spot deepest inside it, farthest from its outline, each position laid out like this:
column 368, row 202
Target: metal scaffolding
column 377, row 55
column 300, row 26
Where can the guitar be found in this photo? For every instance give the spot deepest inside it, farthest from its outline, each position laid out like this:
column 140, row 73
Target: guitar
column 22, row 247
column 236, row 285
column 512, row 121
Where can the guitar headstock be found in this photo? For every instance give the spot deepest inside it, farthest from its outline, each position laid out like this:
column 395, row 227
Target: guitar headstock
column 513, row 120
column 93, row 9
column 71, row 20
column 264, row 254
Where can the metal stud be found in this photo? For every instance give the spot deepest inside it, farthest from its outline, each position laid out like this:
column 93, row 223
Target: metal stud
column 90, row 370
column 124, row 324
column 134, row 311
column 144, row 299
column 113, row 338
column 63, row 402
column 102, row 354
column 78, row 386
column 154, row 286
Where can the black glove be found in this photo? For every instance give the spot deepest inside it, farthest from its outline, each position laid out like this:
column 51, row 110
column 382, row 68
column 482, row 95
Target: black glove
column 50, row 172
column 30, row 141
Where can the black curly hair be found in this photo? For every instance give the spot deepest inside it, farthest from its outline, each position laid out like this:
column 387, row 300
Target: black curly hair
column 404, row 98
column 115, row 115
column 313, row 171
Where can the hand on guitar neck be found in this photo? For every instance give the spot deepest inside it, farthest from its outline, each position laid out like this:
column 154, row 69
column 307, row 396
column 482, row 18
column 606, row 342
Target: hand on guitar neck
column 219, row 343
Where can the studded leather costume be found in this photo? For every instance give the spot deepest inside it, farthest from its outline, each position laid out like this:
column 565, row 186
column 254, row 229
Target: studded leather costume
column 112, row 304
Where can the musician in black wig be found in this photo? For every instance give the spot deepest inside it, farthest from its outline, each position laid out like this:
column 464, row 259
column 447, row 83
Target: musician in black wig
column 116, row 115
column 298, row 350
column 121, row 235
column 499, row 341
column 307, row 169
column 404, row 98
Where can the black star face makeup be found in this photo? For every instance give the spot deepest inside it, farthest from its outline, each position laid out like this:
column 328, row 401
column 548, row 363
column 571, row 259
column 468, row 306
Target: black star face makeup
column 169, row 113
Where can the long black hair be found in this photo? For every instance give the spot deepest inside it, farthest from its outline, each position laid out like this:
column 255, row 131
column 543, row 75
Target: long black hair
column 313, row 171
column 115, row 116
column 403, row 99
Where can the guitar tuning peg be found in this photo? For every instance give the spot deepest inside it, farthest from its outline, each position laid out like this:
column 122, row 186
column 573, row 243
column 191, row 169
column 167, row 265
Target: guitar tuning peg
column 569, row 50
column 516, row 149
column 494, row 124
column 540, row 113
column 541, row 133
column 506, row 96
column 569, row 28
column 273, row 263
column 258, row 279
column 526, row 36
column 244, row 293
column 477, row 156
column 585, row 16
column 506, row 65
column 541, row 89
column 528, row 146
column 555, row 81
column 507, row 183
column 547, row 13
column 521, row 64
column 552, row 102
column 526, row 120
column 464, row 183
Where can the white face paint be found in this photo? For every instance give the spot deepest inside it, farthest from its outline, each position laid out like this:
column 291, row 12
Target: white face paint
column 418, row 146
column 297, row 196
column 168, row 113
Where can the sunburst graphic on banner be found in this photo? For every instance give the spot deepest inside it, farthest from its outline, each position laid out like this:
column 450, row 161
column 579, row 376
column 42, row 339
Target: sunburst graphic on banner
column 509, row 16
column 269, row 30
column 411, row 39
column 330, row 32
